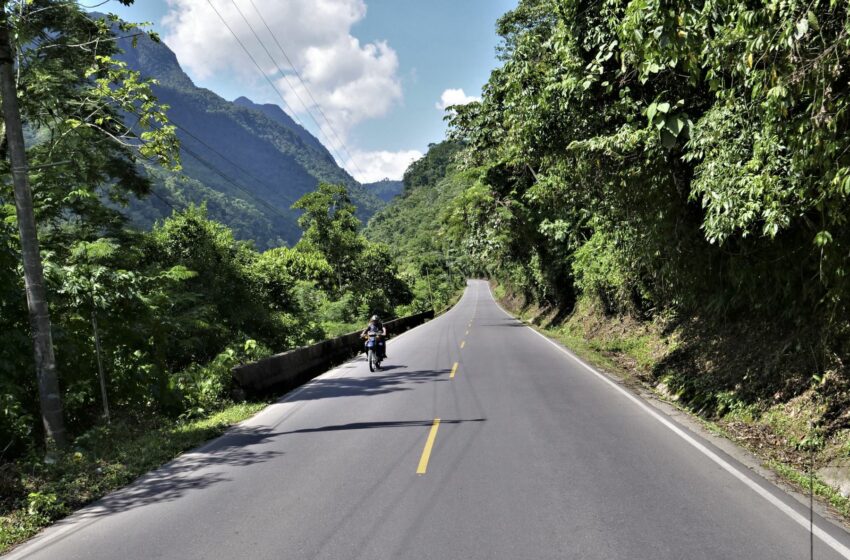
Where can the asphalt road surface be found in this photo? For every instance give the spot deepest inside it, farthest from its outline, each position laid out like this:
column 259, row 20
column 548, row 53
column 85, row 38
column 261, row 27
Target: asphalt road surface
column 534, row 456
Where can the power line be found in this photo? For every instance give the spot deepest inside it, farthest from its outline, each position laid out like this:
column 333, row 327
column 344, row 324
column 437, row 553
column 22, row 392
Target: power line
column 241, row 44
column 221, row 174
column 285, row 77
column 164, row 201
column 227, row 159
column 233, row 182
column 306, row 88
column 254, row 60
column 341, row 145
column 227, row 178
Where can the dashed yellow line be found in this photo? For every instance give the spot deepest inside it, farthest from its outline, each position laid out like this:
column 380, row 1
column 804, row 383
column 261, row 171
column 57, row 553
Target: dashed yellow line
column 454, row 371
column 429, row 444
column 467, row 331
column 462, row 343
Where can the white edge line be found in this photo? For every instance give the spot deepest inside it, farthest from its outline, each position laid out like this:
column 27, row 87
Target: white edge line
column 757, row 488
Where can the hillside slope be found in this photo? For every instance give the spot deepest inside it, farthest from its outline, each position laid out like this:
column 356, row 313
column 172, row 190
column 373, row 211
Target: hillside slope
column 413, row 226
column 248, row 162
column 385, row 189
column 410, row 223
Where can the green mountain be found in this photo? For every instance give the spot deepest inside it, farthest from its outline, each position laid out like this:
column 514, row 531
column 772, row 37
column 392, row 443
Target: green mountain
column 411, row 222
column 247, row 162
column 413, row 225
column 385, row 189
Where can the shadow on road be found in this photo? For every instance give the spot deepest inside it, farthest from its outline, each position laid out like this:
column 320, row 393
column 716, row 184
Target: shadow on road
column 504, row 323
column 190, row 472
column 371, row 425
column 377, row 383
column 390, row 368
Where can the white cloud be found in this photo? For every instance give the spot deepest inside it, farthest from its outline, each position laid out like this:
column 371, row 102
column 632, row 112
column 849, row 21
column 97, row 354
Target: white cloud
column 454, row 97
column 369, row 167
column 351, row 81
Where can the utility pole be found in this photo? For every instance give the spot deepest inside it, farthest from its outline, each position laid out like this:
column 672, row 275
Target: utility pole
column 45, row 362
column 430, row 294
column 100, row 374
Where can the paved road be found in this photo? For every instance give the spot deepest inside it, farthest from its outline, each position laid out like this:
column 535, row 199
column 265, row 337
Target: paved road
column 535, row 456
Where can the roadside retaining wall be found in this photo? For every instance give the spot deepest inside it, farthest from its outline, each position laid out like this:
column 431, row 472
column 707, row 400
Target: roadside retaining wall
column 299, row 365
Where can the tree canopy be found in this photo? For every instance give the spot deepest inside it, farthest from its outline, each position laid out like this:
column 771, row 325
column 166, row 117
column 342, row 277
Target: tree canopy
column 665, row 155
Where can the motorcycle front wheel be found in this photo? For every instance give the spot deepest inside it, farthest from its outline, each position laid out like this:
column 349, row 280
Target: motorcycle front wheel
column 371, row 357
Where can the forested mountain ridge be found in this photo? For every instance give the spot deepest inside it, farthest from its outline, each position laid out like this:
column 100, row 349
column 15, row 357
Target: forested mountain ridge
column 248, row 162
column 275, row 113
column 412, row 224
column 385, row 189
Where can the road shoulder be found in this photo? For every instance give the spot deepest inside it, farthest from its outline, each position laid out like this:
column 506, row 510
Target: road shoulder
column 836, row 524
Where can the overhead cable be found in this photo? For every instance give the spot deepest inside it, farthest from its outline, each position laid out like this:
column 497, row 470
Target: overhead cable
column 307, row 89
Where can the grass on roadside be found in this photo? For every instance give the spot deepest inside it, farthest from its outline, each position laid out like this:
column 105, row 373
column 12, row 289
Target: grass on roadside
column 104, row 459
column 821, row 489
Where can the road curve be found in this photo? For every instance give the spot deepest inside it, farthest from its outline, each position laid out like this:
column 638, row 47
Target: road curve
column 534, row 456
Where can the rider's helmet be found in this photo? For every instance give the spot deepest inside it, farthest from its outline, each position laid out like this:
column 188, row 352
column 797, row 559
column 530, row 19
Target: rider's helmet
column 374, row 319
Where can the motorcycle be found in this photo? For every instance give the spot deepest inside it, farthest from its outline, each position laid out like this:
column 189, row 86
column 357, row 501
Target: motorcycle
column 374, row 347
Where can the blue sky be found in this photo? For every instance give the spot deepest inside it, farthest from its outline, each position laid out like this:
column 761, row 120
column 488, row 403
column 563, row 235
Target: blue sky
column 376, row 68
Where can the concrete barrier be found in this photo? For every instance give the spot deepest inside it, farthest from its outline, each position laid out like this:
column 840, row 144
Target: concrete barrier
column 296, row 366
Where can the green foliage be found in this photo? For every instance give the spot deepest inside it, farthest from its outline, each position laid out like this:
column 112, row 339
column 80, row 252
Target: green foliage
column 164, row 304
column 805, row 481
column 385, row 189
column 664, row 156
column 278, row 271
column 597, row 271
column 176, row 308
column 330, row 227
column 364, row 274
column 412, row 229
column 429, row 170
column 204, row 388
column 164, row 300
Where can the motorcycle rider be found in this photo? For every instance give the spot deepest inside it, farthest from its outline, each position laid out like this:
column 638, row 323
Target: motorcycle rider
column 376, row 326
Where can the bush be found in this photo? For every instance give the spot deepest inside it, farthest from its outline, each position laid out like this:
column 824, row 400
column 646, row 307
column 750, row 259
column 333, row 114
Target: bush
column 206, row 388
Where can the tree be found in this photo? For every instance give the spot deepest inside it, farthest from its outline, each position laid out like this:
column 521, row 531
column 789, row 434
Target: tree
column 330, row 226
column 665, row 155
column 45, row 361
column 71, row 94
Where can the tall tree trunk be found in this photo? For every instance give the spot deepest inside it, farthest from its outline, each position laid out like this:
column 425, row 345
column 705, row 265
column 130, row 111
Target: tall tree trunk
column 45, row 362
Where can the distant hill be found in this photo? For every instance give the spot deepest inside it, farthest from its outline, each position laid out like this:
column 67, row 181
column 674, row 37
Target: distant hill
column 385, row 189
column 410, row 222
column 248, row 162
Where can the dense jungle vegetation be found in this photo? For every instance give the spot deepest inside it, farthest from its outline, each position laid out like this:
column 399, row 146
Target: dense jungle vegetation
column 173, row 308
column 683, row 164
column 412, row 227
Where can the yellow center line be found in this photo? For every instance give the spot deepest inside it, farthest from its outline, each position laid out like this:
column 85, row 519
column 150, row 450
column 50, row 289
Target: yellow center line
column 454, row 371
column 429, row 444
column 462, row 343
